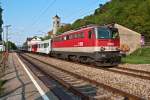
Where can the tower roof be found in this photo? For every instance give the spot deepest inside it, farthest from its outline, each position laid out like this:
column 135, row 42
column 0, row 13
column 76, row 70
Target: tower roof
column 57, row 16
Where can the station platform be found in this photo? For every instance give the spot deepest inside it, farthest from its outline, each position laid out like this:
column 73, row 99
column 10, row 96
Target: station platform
column 22, row 84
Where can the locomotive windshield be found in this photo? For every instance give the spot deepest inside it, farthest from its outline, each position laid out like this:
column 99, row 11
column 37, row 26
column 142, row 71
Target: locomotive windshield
column 107, row 33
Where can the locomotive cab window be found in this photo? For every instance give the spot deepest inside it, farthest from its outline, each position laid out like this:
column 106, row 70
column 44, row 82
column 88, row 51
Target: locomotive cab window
column 106, row 33
column 115, row 33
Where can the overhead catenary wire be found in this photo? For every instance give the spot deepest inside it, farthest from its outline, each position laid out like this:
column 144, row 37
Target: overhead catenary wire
column 40, row 15
column 81, row 10
column 44, row 11
column 71, row 19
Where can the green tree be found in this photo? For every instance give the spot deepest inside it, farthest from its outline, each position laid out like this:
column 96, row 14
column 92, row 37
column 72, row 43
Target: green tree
column 11, row 45
column 64, row 29
column 46, row 37
column 1, row 22
column 134, row 14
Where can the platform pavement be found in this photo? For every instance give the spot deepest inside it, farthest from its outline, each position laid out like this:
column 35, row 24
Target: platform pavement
column 19, row 85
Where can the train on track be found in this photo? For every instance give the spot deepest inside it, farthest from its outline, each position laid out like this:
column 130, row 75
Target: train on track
column 91, row 44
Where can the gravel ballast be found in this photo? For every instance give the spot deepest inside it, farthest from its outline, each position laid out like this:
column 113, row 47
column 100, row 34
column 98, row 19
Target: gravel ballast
column 129, row 84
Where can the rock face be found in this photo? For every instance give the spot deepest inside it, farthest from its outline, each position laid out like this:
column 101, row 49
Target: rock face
column 129, row 40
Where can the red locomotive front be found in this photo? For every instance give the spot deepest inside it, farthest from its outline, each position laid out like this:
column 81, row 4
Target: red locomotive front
column 94, row 44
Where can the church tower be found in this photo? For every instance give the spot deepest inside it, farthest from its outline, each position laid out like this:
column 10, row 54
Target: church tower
column 56, row 24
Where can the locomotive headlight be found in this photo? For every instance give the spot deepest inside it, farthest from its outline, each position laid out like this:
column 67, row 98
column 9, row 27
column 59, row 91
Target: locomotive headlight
column 117, row 48
column 102, row 49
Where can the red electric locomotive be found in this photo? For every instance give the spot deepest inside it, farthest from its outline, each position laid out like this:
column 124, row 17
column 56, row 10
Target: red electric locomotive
column 92, row 44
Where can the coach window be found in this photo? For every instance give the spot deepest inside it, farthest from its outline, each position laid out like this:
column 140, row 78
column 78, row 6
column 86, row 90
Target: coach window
column 90, row 34
column 64, row 37
column 70, row 37
column 44, row 45
column 82, row 34
column 75, row 35
column 59, row 39
column 79, row 36
column 67, row 37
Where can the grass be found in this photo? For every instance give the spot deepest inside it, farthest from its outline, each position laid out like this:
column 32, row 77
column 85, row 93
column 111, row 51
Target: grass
column 140, row 56
column 2, row 82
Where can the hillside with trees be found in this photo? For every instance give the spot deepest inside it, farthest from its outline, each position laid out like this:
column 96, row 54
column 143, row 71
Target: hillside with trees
column 134, row 14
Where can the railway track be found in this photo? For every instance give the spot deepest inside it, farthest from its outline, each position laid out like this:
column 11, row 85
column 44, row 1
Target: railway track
column 80, row 85
column 126, row 71
column 50, row 83
column 121, row 70
column 131, row 72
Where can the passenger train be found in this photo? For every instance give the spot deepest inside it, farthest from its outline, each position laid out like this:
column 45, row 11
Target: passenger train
column 92, row 44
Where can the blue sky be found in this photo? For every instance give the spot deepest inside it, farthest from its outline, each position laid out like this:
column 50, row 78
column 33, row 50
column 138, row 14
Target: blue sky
column 34, row 17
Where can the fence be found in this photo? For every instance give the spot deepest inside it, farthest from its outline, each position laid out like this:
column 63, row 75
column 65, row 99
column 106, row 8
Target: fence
column 3, row 63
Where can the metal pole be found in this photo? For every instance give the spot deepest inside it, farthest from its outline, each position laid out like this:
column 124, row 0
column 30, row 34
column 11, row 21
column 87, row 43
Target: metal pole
column 7, row 26
column 3, row 40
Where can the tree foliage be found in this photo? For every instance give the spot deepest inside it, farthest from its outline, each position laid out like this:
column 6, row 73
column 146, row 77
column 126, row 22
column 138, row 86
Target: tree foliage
column 134, row 14
column 11, row 45
column 1, row 22
column 46, row 37
column 64, row 28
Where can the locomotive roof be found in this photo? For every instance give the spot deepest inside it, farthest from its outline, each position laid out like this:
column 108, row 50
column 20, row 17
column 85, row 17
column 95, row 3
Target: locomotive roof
column 86, row 27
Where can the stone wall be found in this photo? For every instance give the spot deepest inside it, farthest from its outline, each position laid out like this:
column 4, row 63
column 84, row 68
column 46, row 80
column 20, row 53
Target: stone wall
column 129, row 38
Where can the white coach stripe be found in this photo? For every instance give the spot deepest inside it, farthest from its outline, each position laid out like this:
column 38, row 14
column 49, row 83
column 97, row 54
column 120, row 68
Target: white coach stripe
column 44, row 96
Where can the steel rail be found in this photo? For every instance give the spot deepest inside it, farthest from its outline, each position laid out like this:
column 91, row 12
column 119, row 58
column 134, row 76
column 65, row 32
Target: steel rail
column 66, row 85
column 107, row 87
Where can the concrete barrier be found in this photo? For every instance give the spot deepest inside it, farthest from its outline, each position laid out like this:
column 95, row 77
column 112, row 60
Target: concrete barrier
column 129, row 38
